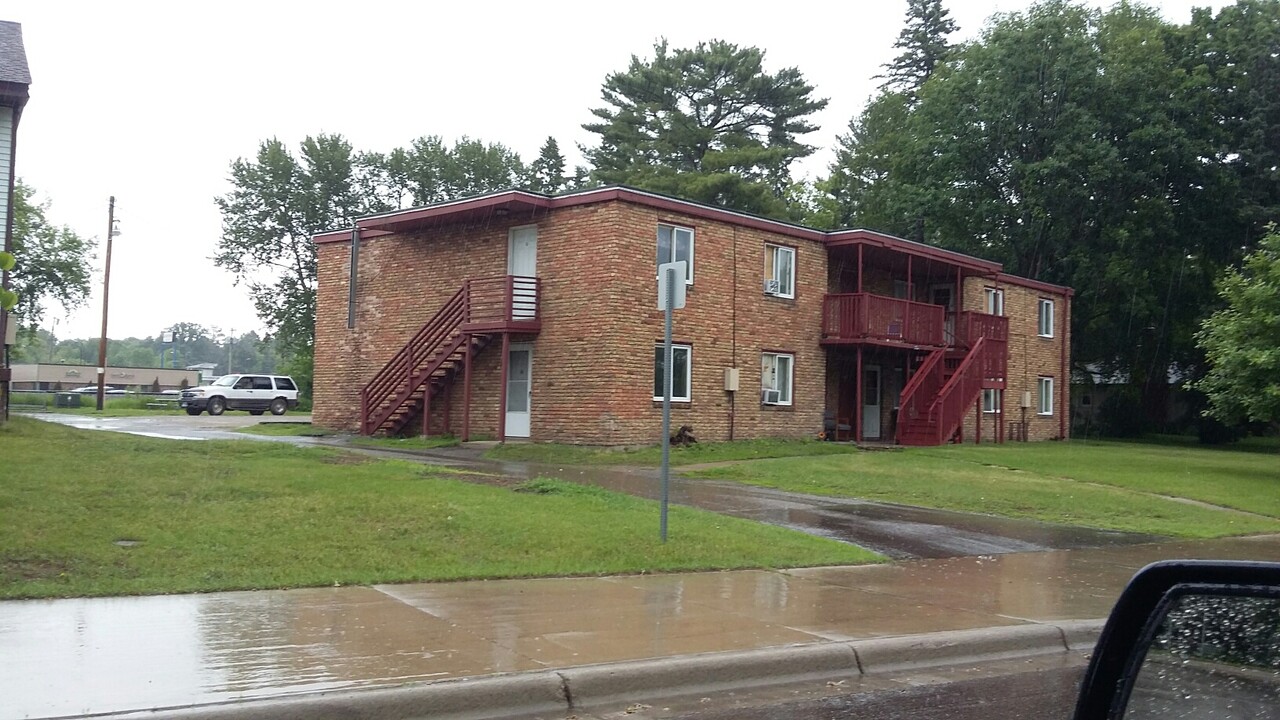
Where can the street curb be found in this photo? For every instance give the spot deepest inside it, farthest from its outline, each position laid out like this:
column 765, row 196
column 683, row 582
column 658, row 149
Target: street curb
column 539, row 692
column 708, row 673
column 958, row 646
column 557, row 692
column 1081, row 635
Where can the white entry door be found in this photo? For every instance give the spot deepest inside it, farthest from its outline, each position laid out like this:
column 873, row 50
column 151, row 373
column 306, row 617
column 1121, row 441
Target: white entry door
column 522, row 262
column 519, row 389
column 871, row 402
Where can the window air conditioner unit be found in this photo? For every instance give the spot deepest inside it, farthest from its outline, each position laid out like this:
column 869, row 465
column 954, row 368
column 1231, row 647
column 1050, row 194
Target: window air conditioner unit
column 770, row 397
column 772, row 287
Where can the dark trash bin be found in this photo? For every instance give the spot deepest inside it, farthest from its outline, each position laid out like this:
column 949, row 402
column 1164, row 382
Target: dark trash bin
column 66, row 400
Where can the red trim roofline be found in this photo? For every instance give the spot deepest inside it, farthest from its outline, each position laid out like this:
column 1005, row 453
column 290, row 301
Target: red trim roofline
column 523, row 201
column 1035, row 284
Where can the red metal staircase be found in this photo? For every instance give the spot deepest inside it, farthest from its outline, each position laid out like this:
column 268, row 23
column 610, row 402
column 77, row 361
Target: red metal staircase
column 402, row 391
column 948, row 382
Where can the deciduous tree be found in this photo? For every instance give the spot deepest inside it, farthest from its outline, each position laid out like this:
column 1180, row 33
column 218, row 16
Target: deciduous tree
column 51, row 262
column 276, row 204
column 1242, row 341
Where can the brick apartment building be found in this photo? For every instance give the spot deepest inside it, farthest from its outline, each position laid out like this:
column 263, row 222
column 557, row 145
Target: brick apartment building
column 520, row 315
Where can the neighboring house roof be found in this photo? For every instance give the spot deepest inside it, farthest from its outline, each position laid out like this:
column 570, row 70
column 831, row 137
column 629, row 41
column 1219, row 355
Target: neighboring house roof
column 508, row 201
column 202, row 366
column 13, row 57
column 15, row 76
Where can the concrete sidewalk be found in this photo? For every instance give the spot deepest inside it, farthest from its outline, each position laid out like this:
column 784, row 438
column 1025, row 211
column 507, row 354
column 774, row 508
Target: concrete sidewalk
column 115, row 655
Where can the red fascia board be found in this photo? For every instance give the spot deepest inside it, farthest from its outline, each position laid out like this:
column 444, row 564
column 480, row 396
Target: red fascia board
column 1035, row 284
column 870, row 237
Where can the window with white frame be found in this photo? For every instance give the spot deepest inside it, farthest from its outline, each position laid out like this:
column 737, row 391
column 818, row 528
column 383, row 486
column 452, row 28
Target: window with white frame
column 680, row 356
column 1046, row 396
column 779, row 271
column 1045, row 323
column 675, row 243
column 995, row 301
column 991, row 401
column 775, row 378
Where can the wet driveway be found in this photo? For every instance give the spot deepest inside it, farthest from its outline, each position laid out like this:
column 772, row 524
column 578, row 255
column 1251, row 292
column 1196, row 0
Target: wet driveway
column 896, row 531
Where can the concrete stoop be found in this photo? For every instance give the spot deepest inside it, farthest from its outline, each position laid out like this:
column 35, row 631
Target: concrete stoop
column 563, row 692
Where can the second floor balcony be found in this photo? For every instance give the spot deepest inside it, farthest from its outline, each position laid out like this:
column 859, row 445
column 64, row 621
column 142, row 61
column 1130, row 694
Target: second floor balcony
column 851, row 318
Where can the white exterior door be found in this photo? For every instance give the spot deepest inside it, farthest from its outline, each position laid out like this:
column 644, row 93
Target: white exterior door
column 522, row 262
column 519, row 389
column 871, row 402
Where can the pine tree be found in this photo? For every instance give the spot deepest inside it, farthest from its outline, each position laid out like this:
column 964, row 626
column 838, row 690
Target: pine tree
column 546, row 174
column 923, row 42
column 705, row 123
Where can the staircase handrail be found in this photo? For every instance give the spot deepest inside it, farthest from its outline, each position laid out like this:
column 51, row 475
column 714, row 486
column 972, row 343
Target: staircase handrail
column 919, row 376
column 937, row 410
column 404, row 363
column 930, row 369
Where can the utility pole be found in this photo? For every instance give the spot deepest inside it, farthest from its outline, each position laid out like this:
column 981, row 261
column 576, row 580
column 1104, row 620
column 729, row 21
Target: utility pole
column 106, row 288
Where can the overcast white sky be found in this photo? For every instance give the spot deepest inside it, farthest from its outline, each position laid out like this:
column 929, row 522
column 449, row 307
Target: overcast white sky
column 151, row 101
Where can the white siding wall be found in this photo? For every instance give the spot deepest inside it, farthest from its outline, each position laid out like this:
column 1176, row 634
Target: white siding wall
column 6, row 164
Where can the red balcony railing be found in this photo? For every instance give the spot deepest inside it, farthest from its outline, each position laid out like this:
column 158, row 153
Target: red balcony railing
column 993, row 361
column 864, row 316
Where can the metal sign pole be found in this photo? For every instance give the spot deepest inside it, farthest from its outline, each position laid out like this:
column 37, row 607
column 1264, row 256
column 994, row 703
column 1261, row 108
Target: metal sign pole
column 668, row 372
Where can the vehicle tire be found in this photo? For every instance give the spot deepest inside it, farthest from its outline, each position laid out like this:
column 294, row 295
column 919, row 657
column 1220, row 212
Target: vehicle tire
column 216, row 405
column 193, row 411
column 256, row 412
column 278, row 406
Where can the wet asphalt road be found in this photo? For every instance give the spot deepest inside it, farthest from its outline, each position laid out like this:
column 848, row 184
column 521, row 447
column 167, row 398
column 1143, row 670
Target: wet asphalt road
column 896, row 531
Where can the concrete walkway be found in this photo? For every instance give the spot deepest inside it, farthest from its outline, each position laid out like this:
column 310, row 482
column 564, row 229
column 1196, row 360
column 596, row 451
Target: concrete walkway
column 545, row 644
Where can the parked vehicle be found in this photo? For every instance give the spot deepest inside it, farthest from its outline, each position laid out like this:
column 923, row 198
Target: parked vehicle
column 93, row 389
column 254, row 393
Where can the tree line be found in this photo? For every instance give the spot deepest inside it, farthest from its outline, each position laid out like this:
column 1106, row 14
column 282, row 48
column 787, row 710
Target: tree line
column 192, row 344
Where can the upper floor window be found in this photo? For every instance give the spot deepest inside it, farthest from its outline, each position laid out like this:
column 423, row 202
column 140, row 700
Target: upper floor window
column 1046, row 396
column 1045, row 322
column 779, row 271
column 675, row 243
column 679, row 377
column 775, row 378
column 995, row 301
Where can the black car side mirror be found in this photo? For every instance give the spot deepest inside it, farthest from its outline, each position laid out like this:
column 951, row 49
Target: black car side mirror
column 1189, row 639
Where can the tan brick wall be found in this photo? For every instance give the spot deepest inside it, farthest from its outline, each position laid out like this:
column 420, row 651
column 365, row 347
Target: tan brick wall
column 403, row 281
column 1030, row 357
column 592, row 370
column 593, row 360
column 728, row 322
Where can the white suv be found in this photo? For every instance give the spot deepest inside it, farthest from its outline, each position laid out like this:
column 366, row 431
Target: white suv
column 255, row 393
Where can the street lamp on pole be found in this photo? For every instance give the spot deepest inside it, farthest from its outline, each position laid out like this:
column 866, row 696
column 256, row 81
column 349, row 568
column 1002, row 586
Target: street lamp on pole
column 112, row 231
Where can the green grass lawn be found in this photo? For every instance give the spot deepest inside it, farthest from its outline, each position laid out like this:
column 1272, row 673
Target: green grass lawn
column 1104, row 485
column 552, row 453
column 234, row 515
